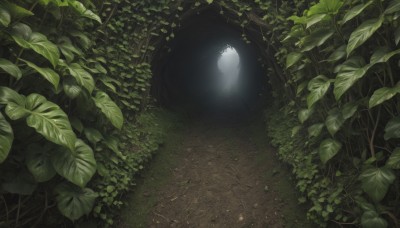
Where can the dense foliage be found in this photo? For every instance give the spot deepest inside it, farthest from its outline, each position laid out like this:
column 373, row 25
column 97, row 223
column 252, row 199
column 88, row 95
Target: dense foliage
column 72, row 71
column 341, row 62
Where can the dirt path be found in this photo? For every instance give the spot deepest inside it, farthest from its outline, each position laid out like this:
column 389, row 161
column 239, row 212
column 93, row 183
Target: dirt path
column 210, row 175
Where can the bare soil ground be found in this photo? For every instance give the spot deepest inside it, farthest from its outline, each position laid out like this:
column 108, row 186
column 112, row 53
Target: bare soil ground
column 215, row 175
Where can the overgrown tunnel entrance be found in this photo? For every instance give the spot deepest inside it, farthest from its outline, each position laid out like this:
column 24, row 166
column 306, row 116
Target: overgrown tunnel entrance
column 188, row 75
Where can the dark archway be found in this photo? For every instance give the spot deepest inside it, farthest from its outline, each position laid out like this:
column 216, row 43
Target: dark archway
column 186, row 69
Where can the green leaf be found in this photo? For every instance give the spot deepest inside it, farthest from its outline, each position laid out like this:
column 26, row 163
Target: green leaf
column 47, row 73
column 382, row 55
column 38, row 162
column 81, row 9
column 47, row 118
column 315, row 130
column 305, row 114
column 316, row 39
column 397, row 35
column 293, row 58
column 394, row 159
column 393, row 7
column 392, row 129
column 94, row 136
column 210, row 1
column 350, row 72
column 328, row 149
column 371, row 219
column 363, row 33
column 5, row 17
column 338, row 54
column 68, row 49
column 383, row 94
column 8, row 95
column 74, row 202
column 81, row 76
column 318, row 87
column 109, row 109
column 78, row 166
column 6, row 138
column 24, row 37
column 10, row 68
column 349, row 109
column 112, row 143
column 71, row 88
column 355, row 11
column 314, row 19
column 325, row 7
column 376, row 181
column 334, row 121
column 14, row 10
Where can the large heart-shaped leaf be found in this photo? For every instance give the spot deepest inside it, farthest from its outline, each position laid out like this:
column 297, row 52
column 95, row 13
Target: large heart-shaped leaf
column 349, row 73
column 10, row 68
column 392, row 129
column 47, row 118
column 383, row 94
column 24, row 37
column 334, row 121
column 47, row 73
column 328, row 149
column 109, row 109
column 371, row 219
column 83, row 77
column 318, row 87
column 74, row 202
column 363, row 33
column 355, row 11
column 394, row 159
column 6, row 138
column 77, row 166
column 376, row 181
column 38, row 162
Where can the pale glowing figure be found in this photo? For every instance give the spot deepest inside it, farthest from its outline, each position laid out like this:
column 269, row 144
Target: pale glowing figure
column 229, row 67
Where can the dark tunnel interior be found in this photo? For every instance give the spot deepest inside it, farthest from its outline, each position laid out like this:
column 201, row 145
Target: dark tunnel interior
column 188, row 77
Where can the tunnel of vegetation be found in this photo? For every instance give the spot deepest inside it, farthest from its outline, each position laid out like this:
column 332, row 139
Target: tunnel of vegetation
column 76, row 121
column 187, row 74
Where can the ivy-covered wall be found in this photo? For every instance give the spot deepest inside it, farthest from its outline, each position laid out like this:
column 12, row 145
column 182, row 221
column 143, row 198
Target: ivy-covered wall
column 77, row 123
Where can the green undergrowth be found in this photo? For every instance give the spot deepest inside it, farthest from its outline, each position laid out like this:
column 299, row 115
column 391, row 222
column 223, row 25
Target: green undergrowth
column 155, row 175
column 323, row 194
column 118, row 171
